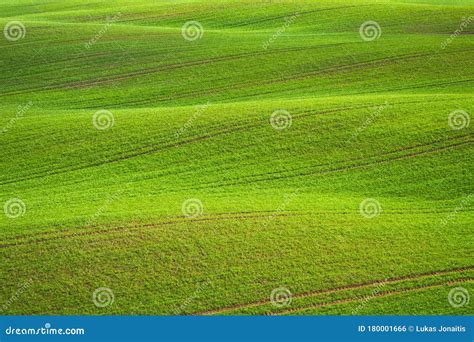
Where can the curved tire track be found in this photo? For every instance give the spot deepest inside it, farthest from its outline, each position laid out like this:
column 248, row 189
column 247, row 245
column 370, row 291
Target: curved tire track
column 377, row 295
column 338, row 289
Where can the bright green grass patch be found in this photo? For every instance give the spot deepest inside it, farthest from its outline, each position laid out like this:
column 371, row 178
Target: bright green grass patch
column 367, row 120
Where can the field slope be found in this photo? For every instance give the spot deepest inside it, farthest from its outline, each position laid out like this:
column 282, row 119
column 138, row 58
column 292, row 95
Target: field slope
column 236, row 157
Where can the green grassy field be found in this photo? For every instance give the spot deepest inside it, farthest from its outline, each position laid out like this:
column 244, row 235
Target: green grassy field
column 236, row 157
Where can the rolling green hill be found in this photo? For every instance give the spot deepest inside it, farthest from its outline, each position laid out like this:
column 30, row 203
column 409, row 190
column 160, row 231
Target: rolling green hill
column 236, row 157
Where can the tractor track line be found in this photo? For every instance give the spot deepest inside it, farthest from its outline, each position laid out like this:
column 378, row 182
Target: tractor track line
column 249, row 181
column 335, row 170
column 133, row 224
column 149, row 71
column 289, row 78
column 405, row 148
column 151, row 149
column 137, row 227
column 265, row 19
column 377, row 295
column 338, row 289
column 20, row 239
column 157, row 69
